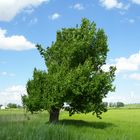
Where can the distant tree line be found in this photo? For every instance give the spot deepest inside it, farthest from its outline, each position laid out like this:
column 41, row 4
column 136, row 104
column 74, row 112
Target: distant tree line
column 112, row 104
column 13, row 105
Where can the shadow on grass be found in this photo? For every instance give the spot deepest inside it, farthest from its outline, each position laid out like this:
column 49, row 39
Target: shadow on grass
column 81, row 123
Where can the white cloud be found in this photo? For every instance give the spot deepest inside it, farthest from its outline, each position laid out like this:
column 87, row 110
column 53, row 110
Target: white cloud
column 124, row 64
column 127, row 99
column 15, row 42
column 78, row 6
column 29, row 11
column 7, row 74
column 10, row 8
column 54, row 16
column 136, row 1
column 12, row 94
column 109, row 4
column 135, row 76
column 132, row 63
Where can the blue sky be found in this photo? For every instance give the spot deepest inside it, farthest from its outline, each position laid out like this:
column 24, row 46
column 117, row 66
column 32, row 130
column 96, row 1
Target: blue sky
column 26, row 23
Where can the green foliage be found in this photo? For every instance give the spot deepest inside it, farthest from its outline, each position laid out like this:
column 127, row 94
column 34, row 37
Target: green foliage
column 74, row 71
column 12, row 105
column 120, row 104
column 116, row 104
column 105, row 104
column 36, row 89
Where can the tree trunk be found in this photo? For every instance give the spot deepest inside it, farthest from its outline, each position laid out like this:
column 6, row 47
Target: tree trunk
column 54, row 115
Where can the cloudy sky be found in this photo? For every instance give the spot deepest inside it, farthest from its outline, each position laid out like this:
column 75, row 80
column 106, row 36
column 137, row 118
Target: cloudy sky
column 24, row 23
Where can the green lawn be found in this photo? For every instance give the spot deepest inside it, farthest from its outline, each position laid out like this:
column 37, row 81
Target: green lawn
column 116, row 124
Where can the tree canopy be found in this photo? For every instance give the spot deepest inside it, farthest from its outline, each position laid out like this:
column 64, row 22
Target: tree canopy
column 74, row 72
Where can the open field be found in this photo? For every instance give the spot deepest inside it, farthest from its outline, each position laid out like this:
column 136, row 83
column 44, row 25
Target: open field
column 116, row 124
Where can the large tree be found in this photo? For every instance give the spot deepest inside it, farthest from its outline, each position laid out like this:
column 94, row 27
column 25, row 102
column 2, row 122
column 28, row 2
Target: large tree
column 74, row 71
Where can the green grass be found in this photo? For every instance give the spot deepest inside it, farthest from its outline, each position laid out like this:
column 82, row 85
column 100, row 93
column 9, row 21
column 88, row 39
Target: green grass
column 117, row 124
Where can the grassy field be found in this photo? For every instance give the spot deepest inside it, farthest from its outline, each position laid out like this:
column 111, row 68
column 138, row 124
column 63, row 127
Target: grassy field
column 116, row 124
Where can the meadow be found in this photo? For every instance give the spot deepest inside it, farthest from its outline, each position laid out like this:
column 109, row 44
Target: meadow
column 116, row 124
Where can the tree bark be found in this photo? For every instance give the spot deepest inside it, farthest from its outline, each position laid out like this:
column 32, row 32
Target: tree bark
column 54, row 115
